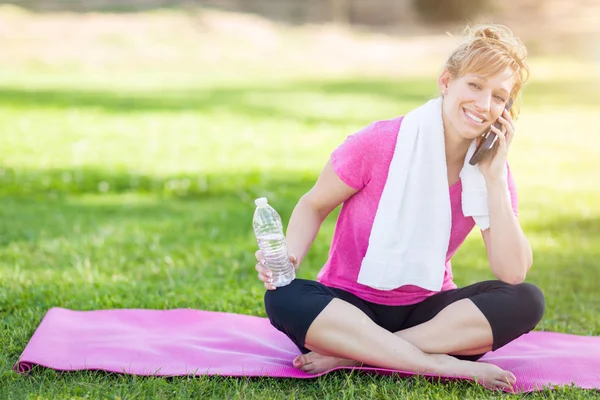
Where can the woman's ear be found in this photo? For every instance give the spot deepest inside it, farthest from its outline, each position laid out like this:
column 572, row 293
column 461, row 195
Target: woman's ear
column 444, row 81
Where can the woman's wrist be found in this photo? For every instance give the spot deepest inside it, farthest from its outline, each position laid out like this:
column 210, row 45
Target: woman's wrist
column 496, row 182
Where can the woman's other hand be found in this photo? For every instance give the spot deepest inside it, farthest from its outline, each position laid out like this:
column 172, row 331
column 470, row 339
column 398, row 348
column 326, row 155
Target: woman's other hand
column 264, row 273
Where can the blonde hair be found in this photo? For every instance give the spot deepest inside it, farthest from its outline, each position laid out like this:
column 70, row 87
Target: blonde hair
column 489, row 50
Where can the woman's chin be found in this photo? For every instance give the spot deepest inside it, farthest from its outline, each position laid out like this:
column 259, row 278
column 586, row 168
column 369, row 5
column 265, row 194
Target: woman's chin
column 472, row 132
column 469, row 136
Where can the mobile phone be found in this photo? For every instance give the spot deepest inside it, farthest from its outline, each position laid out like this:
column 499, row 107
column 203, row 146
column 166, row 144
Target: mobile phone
column 488, row 140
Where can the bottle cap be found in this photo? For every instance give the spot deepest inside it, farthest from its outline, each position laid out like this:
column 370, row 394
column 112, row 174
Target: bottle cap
column 261, row 201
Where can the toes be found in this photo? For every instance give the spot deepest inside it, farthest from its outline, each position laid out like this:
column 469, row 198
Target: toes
column 308, row 368
column 507, row 380
column 297, row 363
column 491, row 385
column 503, row 385
column 510, row 380
column 301, row 361
column 497, row 384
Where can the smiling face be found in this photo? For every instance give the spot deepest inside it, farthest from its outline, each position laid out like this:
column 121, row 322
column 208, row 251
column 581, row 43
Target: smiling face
column 473, row 102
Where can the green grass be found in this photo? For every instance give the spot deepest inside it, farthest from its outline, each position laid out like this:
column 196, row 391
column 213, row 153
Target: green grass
column 136, row 190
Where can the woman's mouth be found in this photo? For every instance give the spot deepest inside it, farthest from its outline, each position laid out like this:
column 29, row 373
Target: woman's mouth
column 476, row 120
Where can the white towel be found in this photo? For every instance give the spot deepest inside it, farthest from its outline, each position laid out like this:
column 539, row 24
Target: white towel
column 474, row 192
column 411, row 231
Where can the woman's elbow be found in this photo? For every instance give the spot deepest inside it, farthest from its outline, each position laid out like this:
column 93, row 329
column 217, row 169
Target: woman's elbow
column 312, row 204
column 515, row 275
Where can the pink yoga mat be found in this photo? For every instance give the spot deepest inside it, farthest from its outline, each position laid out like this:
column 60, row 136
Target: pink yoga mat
column 184, row 341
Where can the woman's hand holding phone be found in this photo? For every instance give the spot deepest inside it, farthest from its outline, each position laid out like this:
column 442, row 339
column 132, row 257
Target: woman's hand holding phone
column 492, row 165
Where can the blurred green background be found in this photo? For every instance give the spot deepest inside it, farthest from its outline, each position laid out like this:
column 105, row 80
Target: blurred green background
column 134, row 136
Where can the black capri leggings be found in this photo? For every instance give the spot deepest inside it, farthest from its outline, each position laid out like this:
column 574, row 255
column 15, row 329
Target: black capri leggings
column 511, row 310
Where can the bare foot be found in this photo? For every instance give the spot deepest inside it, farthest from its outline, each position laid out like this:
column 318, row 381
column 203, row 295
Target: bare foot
column 488, row 375
column 315, row 363
column 493, row 377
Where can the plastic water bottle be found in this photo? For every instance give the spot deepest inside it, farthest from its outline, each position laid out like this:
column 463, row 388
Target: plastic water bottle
column 271, row 241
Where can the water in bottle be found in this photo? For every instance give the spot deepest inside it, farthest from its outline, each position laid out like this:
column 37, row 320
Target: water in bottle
column 271, row 241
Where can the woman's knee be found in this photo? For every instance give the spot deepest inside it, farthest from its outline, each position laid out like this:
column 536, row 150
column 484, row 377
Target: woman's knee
column 512, row 310
column 530, row 299
column 292, row 308
column 280, row 303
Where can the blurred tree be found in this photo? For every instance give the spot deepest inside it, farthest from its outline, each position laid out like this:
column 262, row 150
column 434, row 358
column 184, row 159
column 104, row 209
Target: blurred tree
column 340, row 11
column 448, row 10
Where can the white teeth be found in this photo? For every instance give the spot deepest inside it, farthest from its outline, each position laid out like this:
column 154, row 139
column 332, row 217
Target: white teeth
column 473, row 117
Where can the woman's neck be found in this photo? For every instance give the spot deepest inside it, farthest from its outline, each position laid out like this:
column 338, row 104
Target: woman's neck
column 456, row 147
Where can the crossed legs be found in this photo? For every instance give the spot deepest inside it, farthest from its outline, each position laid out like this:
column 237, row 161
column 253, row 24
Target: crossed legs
column 342, row 334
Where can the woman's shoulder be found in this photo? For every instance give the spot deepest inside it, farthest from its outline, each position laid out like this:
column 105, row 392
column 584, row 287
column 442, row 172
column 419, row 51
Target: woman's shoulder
column 381, row 131
column 372, row 142
column 387, row 132
column 389, row 126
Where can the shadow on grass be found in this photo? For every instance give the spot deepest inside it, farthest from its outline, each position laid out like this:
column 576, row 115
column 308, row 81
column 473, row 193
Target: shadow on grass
column 57, row 183
column 34, row 201
column 252, row 101
column 265, row 101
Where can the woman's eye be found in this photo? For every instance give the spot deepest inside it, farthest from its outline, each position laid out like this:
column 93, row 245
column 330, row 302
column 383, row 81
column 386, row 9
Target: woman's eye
column 500, row 99
column 474, row 85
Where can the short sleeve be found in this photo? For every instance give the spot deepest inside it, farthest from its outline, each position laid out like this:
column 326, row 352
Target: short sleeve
column 512, row 188
column 353, row 160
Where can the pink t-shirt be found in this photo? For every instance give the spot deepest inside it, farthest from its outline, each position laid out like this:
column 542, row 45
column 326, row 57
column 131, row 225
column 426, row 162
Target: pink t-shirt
column 362, row 162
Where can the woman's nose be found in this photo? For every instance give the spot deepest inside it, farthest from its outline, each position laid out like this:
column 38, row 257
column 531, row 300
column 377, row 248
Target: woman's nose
column 483, row 103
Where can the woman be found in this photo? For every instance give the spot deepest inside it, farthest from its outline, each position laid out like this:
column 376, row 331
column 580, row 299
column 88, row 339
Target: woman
column 338, row 321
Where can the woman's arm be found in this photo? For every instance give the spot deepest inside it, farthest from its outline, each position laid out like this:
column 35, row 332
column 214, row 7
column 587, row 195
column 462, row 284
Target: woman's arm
column 328, row 192
column 509, row 252
column 311, row 210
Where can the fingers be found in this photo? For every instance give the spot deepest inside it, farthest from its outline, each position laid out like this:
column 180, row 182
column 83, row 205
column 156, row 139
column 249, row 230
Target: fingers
column 506, row 116
column 501, row 134
column 269, row 286
column 294, row 261
column 508, row 125
column 265, row 275
column 261, row 266
column 267, row 280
